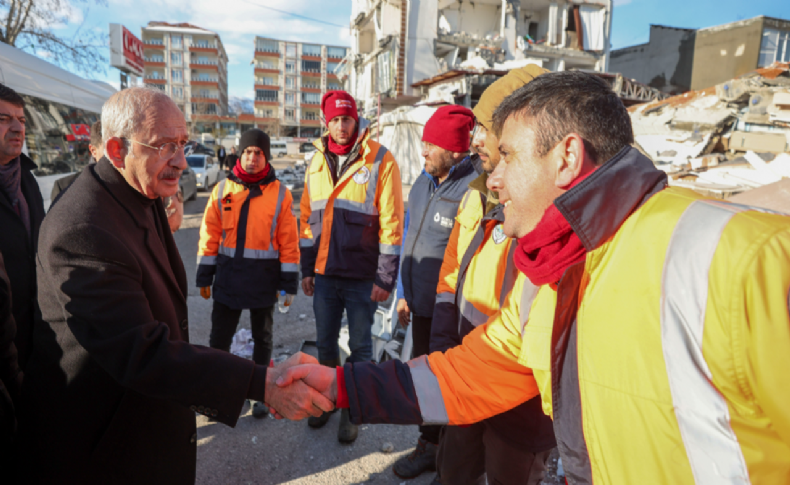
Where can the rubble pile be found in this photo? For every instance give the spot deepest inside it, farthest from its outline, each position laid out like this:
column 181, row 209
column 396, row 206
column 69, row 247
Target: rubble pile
column 723, row 140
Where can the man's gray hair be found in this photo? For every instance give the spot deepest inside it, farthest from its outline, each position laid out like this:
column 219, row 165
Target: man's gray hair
column 123, row 114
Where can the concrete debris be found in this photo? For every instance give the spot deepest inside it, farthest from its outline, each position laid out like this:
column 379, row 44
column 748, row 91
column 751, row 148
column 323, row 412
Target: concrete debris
column 387, row 447
column 724, row 140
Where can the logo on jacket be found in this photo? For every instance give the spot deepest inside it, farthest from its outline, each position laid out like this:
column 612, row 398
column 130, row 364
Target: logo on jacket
column 362, row 176
column 443, row 221
column 498, row 235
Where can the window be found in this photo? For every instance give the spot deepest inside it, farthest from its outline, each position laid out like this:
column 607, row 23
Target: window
column 311, row 50
column 311, row 98
column 176, row 75
column 204, row 60
column 175, row 41
column 290, row 82
column 178, row 92
column 334, row 87
column 205, row 93
column 289, row 114
column 290, row 99
column 266, row 65
column 266, row 113
column 266, row 45
column 203, row 44
column 155, row 75
column 331, row 66
column 175, row 58
column 290, row 50
column 266, row 95
column 154, row 41
column 155, row 59
column 290, row 66
column 211, row 108
column 311, row 66
column 774, row 47
column 337, row 52
column 267, row 81
column 205, row 77
column 309, row 115
column 310, row 83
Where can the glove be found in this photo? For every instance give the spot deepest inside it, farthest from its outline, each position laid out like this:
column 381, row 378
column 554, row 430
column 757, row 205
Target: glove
column 289, row 299
column 205, row 292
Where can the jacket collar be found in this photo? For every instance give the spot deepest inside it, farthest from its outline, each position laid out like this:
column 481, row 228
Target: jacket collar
column 598, row 206
column 269, row 178
column 132, row 201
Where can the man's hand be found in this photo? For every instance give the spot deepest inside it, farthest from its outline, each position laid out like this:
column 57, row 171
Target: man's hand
column 321, row 378
column 308, row 285
column 205, row 292
column 404, row 315
column 297, row 400
column 379, row 295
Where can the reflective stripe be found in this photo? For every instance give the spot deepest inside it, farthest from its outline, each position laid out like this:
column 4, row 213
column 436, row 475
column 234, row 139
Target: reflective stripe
column 363, row 207
column 445, row 297
column 429, row 394
column 511, row 273
column 391, row 249
column 370, row 196
column 701, row 411
column 305, row 243
column 220, row 189
column 472, row 314
column 289, row 267
column 251, row 253
column 528, row 294
column 280, row 197
column 318, row 205
column 206, row 260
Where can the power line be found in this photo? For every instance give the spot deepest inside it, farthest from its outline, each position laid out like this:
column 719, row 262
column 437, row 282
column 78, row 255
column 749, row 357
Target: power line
column 295, row 15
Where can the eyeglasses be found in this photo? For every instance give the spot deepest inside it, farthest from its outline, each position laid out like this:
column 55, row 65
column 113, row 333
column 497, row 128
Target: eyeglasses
column 166, row 150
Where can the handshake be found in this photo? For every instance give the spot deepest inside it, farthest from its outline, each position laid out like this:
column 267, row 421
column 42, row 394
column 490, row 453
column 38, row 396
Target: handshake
column 300, row 387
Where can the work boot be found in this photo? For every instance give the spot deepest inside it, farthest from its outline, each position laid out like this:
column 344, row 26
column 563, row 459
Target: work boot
column 422, row 459
column 347, row 432
column 320, row 421
column 259, row 410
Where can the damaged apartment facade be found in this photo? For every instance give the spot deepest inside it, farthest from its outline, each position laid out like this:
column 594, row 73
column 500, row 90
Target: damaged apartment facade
column 396, row 44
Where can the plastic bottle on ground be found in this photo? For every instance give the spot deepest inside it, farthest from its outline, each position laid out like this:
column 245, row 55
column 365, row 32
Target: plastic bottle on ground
column 281, row 306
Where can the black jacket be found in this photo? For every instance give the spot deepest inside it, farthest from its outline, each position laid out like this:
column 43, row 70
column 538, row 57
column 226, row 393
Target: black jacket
column 19, row 253
column 60, row 185
column 111, row 389
column 10, row 377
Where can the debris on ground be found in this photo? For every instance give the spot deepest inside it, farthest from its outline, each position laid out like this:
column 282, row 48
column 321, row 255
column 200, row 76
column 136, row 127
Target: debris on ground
column 725, row 140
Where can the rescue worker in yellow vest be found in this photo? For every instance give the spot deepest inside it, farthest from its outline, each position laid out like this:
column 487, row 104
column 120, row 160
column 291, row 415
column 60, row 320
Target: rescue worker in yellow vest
column 351, row 227
column 249, row 250
column 477, row 274
column 653, row 321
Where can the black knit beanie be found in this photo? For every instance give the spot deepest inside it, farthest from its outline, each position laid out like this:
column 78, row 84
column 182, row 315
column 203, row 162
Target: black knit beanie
column 256, row 138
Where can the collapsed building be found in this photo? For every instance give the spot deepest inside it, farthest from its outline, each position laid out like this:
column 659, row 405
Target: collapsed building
column 397, row 43
column 726, row 139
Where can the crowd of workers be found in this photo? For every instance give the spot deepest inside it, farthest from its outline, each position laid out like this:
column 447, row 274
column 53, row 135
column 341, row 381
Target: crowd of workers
column 559, row 294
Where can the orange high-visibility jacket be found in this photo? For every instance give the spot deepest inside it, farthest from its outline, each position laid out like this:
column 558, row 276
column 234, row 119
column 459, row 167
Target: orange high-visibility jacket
column 353, row 227
column 249, row 244
column 662, row 358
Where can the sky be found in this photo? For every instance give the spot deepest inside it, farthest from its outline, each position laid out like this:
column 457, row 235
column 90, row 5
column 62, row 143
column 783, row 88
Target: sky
column 239, row 21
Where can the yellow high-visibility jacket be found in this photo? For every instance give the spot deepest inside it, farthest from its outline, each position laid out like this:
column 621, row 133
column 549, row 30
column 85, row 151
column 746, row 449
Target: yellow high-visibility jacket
column 662, row 358
column 351, row 226
column 249, row 244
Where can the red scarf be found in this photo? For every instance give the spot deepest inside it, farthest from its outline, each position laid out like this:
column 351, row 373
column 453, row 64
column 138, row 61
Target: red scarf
column 250, row 178
column 547, row 251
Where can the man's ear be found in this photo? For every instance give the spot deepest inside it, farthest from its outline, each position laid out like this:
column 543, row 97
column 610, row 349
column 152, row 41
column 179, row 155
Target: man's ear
column 115, row 150
column 569, row 155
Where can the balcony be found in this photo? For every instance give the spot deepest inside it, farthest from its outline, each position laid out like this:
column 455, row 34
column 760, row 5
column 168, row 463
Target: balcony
column 154, row 80
column 211, row 98
column 266, row 102
column 202, row 82
column 267, row 86
column 154, row 63
column 266, row 70
column 311, row 90
column 203, row 46
column 153, row 44
column 306, row 122
column 204, row 65
column 311, row 74
column 267, row 54
column 311, row 58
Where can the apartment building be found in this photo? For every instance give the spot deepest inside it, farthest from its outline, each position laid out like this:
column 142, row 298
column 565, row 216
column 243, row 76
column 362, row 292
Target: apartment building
column 188, row 63
column 397, row 43
column 290, row 80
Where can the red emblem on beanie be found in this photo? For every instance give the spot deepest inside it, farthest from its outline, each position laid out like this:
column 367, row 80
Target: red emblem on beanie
column 450, row 128
column 338, row 103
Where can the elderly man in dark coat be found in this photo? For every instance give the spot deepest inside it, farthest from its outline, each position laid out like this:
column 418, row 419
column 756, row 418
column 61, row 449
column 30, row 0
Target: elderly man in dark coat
column 113, row 384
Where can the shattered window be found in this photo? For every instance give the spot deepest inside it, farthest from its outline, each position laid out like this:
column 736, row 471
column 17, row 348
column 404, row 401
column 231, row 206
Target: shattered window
column 774, row 47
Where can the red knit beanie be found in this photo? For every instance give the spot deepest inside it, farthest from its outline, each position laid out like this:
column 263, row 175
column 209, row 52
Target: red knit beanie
column 450, row 128
column 338, row 103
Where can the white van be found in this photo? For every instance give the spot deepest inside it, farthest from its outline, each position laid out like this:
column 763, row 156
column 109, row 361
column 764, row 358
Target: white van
column 278, row 148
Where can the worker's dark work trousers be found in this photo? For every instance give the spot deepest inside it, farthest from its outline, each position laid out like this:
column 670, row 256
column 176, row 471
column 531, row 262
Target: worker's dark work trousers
column 469, row 455
column 224, row 321
column 421, row 334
